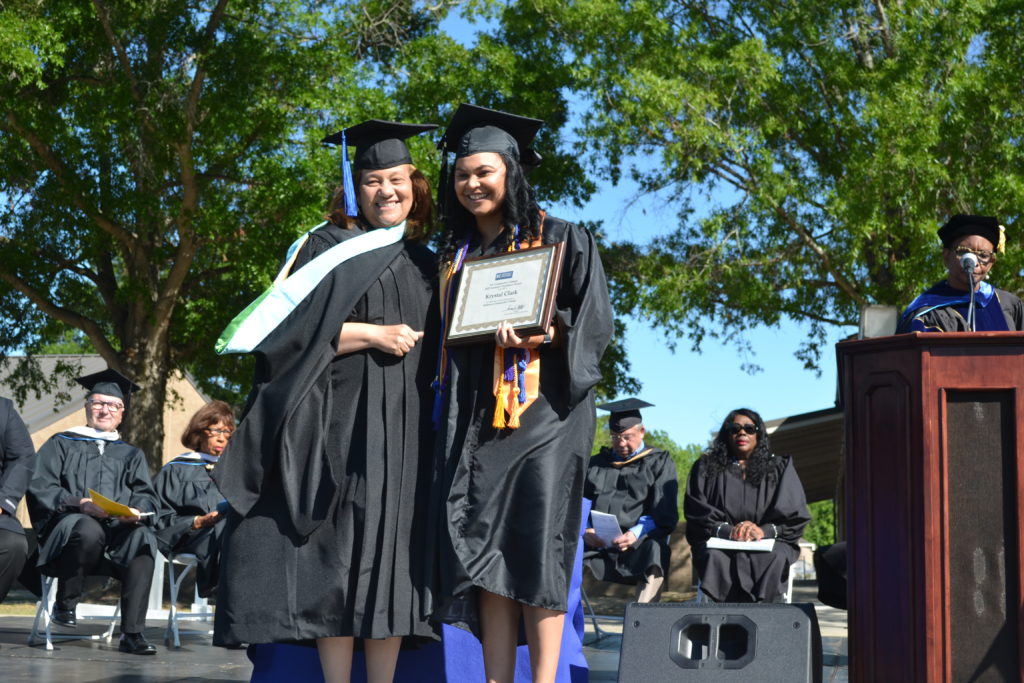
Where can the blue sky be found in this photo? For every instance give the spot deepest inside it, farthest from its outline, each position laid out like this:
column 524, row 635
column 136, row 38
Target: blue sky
column 693, row 392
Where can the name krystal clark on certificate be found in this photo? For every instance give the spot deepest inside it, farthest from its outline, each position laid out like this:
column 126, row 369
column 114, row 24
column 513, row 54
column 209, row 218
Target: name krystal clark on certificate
column 516, row 287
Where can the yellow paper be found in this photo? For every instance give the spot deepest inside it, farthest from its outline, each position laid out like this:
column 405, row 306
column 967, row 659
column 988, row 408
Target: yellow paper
column 111, row 507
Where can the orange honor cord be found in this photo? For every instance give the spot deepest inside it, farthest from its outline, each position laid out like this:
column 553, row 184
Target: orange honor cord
column 516, row 371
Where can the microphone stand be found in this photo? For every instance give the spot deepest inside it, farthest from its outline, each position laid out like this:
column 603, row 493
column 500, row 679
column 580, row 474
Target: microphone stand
column 970, row 306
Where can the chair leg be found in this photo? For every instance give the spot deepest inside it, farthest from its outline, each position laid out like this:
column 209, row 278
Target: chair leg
column 108, row 635
column 43, row 612
column 789, row 587
column 173, row 632
column 598, row 631
column 174, row 602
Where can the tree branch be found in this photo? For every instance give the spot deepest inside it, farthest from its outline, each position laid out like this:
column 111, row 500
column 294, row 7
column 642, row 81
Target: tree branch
column 51, row 162
column 68, row 317
column 103, row 15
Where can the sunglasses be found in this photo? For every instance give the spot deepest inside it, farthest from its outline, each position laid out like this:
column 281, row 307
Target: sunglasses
column 736, row 428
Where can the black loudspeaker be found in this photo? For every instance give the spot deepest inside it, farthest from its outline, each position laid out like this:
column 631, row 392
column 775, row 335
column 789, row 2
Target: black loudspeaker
column 763, row 642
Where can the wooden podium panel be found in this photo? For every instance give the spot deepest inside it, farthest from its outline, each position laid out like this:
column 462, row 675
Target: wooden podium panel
column 934, row 507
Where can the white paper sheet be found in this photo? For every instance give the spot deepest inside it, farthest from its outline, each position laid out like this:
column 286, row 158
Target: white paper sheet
column 605, row 526
column 764, row 545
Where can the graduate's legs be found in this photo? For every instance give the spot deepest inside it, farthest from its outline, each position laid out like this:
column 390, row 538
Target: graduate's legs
column 499, row 625
column 649, row 586
column 80, row 555
column 335, row 658
column 13, row 549
column 381, row 658
column 544, row 635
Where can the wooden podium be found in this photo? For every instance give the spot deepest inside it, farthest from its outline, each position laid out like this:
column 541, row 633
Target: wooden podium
column 935, row 519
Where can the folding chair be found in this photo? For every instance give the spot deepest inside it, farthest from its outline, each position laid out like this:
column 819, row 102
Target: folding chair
column 598, row 631
column 44, row 612
column 200, row 606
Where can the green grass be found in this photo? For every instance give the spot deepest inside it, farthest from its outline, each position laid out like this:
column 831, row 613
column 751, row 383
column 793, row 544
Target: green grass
column 18, row 609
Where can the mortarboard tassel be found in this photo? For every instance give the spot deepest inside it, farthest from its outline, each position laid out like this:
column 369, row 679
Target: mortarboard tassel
column 351, row 208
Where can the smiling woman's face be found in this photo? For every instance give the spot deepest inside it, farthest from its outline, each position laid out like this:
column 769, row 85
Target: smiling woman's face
column 480, row 183
column 385, row 195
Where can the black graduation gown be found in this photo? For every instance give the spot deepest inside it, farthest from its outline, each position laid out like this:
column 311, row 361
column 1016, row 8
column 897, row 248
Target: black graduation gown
column 947, row 319
column 186, row 491
column 331, row 463
column 69, row 465
column 729, row 499
column 509, row 507
column 17, row 464
column 645, row 486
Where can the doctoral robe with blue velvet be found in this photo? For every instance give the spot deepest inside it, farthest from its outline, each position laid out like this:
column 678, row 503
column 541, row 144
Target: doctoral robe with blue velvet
column 942, row 308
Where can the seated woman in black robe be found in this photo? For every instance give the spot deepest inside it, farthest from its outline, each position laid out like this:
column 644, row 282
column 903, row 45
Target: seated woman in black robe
column 190, row 521
column 513, row 464
column 738, row 490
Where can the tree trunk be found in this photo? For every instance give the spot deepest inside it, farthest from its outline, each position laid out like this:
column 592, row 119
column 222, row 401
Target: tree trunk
column 143, row 426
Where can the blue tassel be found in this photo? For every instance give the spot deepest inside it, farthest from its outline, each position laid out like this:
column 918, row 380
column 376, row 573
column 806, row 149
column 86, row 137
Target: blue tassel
column 522, row 376
column 351, row 208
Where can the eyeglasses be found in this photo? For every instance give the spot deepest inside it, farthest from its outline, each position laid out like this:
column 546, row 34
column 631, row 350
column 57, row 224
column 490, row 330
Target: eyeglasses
column 112, row 407
column 984, row 255
column 625, row 436
column 218, row 432
column 736, row 428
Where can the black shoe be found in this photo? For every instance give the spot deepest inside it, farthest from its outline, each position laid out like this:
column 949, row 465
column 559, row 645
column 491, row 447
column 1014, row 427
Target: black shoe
column 63, row 617
column 135, row 644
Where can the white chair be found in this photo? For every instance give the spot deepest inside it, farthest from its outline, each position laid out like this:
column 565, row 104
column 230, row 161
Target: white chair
column 44, row 610
column 200, row 606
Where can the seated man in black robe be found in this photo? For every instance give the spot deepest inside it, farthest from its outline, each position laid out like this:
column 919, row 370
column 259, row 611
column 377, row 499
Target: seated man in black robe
column 638, row 485
column 76, row 536
column 17, row 463
column 970, row 246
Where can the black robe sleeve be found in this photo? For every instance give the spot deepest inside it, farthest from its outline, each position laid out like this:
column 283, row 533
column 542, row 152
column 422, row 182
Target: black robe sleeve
column 139, row 489
column 703, row 515
column 663, row 505
column 584, row 316
column 283, row 435
column 788, row 512
column 177, row 511
column 17, row 464
column 47, row 493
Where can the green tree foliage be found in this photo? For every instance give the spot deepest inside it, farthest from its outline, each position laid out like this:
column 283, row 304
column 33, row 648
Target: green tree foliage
column 156, row 158
column 152, row 153
column 830, row 139
column 822, row 529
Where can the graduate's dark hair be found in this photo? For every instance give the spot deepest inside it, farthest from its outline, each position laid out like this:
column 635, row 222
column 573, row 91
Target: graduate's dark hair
column 421, row 217
column 519, row 208
column 717, row 456
column 213, row 412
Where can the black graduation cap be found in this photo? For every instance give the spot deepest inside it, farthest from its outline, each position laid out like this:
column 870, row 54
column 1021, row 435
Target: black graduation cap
column 962, row 224
column 109, row 382
column 625, row 413
column 379, row 143
column 476, row 129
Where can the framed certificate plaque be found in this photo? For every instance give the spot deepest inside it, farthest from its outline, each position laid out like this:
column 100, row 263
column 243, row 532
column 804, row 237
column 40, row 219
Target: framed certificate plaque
column 516, row 286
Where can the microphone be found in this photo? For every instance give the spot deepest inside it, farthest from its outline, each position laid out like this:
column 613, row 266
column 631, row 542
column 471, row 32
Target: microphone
column 969, row 262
